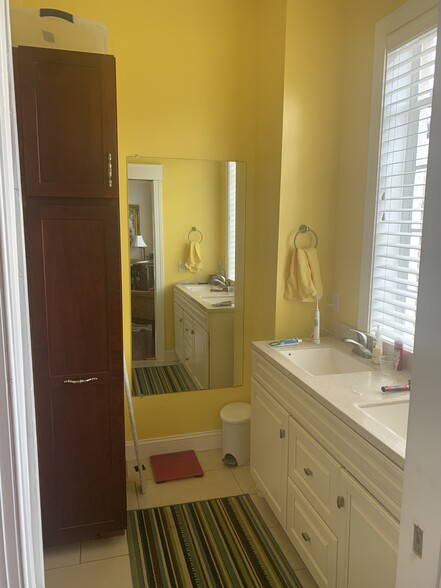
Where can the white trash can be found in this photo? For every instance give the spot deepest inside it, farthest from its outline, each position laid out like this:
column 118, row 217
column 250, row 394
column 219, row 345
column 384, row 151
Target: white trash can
column 236, row 433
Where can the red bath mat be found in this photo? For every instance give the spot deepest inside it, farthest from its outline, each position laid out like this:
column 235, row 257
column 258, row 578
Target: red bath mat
column 175, row 466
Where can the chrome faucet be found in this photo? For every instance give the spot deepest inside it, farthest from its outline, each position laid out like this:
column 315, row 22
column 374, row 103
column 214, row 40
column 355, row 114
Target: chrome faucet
column 359, row 347
column 220, row 281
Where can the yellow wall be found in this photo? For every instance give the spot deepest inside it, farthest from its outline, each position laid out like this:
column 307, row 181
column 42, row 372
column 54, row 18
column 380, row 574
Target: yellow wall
column 311, row 134
column 186, row 81
column 284, row 85
column 359, row 38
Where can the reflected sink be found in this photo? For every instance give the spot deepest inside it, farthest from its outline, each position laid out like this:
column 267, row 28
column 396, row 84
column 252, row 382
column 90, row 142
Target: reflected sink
column 217, row 299
column 324, row 361
column 217, row 295
column 196, row 287
column 393, row 415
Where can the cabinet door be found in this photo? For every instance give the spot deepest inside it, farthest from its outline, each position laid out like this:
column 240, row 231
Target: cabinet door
column 269, row 449
column 179, row 331
column 67, row 120
column 199, row 366
column 75, row 309
column 368, row 539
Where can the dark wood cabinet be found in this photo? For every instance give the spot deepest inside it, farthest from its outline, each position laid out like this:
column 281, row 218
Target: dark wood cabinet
column 67, row 108
column 74, row 283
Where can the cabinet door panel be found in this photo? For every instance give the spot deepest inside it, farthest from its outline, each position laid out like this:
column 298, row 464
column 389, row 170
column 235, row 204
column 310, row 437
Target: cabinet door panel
column 81, row 456
column 179, row 331
column 74, row 289
column 67, row 110
column 269, row 450
column 75, row 310
column 368, row 540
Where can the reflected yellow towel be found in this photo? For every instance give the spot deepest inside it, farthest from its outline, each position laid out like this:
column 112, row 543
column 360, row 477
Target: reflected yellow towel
column 194, row 261
column 304, row 280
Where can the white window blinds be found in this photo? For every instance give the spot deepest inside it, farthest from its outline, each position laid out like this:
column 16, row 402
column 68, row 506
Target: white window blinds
column 231, row 222
column 404, row 146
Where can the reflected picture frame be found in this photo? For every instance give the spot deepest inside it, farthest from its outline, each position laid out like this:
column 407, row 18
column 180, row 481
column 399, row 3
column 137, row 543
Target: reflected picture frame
column 133, row 222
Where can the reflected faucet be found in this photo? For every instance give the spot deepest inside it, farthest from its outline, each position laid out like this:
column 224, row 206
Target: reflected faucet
column 219, row 280
column 359, row 347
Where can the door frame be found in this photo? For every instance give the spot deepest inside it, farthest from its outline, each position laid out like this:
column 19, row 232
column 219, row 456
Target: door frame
column 153, row 173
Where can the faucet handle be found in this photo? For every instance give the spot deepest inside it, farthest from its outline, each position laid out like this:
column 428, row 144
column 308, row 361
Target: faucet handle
column 361, row 337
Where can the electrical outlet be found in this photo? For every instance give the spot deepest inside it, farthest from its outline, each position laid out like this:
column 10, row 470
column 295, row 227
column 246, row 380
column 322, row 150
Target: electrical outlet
column 418, row 540
column 335, row 301
column 181, row 266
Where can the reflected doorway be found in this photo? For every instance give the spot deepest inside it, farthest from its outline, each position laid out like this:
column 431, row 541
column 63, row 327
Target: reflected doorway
column 145, row 235
column 142, row 274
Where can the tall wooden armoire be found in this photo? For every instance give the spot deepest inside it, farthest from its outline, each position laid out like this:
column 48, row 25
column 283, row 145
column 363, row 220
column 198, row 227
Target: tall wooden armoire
column 66, row 111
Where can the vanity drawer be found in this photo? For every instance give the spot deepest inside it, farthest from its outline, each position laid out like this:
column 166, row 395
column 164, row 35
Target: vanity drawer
column 314, row 471
column 314, row 541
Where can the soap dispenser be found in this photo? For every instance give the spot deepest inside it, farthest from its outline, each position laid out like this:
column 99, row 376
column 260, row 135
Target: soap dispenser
column 377, row 351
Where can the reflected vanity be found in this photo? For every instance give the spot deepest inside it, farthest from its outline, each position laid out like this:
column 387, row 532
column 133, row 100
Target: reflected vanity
column 196, row 330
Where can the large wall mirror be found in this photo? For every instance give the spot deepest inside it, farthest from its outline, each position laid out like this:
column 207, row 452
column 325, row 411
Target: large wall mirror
column 186, row 231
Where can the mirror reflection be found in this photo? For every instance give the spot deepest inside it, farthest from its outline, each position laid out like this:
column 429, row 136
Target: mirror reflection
column 186, row 266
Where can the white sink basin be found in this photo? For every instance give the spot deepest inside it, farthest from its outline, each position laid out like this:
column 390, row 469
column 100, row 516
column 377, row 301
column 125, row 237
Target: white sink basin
column 324, row 361
column 217, row 295
column 218, row 299
column 196, row 287
column 393, row 415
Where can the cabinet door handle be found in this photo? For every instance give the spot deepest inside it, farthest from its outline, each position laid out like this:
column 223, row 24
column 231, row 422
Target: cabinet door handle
column 282, row 433
column 80, row 381
column 109, row 169
column 305, row 536
column 192, row 331
column 340, row 501
column 307, row 471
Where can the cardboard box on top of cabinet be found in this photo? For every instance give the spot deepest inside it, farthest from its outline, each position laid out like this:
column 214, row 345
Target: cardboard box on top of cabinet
column 56, row 29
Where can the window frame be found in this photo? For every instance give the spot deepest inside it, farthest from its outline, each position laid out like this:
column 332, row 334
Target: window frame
column 399, row 27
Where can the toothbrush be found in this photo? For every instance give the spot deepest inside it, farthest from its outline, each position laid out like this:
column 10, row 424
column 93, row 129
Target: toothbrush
column 316, row 336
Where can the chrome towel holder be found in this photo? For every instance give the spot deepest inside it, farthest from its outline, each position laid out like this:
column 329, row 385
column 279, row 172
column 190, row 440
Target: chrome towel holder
column 305, row 229
column 198, row 238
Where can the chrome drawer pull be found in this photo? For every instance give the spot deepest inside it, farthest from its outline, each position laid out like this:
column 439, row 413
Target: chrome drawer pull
column 307, row 471
column 282, row 433
column 80, row 381
column 109, row 169
column 305, row 536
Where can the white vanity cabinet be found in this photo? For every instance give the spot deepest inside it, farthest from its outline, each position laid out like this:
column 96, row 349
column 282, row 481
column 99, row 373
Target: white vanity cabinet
column 368, row 539
column 204, row 340
column 337, row 496
column 269, row 455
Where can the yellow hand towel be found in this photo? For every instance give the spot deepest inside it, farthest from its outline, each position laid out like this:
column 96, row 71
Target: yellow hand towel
column 194, row 261
column 304, row 280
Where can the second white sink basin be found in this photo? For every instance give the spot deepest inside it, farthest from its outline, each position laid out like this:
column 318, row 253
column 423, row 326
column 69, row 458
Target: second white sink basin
column 324, row 361
column 393, row 415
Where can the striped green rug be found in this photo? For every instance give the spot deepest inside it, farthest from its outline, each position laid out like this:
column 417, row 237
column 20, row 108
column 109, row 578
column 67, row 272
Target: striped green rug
column 222, row 542
column 161, row 379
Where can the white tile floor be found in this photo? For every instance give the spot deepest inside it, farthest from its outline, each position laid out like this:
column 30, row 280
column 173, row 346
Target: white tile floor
column 105, row 563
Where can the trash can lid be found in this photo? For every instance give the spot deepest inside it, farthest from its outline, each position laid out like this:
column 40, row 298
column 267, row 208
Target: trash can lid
column 236, row 412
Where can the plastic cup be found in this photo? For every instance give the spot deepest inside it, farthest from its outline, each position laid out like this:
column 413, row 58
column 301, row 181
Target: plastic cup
column 388, row 364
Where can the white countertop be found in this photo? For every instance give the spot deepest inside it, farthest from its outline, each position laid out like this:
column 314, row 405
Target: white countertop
column 204, row 295
column 341, row 393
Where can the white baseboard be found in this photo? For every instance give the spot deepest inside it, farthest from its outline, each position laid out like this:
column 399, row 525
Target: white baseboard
column 197, row 441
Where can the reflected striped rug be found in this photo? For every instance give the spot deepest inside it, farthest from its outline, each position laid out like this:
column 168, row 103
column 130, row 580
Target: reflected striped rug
column 161, row 379
column 222, row 542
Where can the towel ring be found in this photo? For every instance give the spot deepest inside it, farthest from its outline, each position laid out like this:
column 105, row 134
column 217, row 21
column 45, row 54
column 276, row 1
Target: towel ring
column 196, row 240
column 305, row 229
